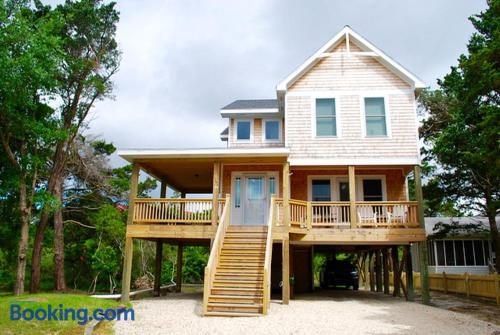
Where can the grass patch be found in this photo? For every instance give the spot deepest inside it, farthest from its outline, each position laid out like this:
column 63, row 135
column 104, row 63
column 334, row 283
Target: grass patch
column 42, row 300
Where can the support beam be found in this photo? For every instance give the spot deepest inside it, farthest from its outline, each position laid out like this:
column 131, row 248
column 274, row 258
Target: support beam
column 367, row 270
column 127, row 270
column 372, row 272
column 378, row 270
column 352, row 196
column 385, row 259
column 422, row 246
column 396, row 272
column 158, row 261
column 286, row 195
column 409, row 274
column 285, row 249
column 127, row 260
column 215, row 193
column 178, row 279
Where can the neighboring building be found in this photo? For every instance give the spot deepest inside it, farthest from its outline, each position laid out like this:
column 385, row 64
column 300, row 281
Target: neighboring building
column 335, row 148
column 457, row 245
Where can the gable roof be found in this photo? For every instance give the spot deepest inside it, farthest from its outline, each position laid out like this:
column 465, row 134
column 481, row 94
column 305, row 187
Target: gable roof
column 368, row 48
column 253, row 104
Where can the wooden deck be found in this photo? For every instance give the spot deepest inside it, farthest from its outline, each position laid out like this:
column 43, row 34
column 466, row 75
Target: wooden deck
column 310, row 222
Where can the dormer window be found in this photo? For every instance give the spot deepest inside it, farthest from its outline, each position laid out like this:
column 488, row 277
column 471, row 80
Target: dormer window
column 272, row 131
column 243, row 130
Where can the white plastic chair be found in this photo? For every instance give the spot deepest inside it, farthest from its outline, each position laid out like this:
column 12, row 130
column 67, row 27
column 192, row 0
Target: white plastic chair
column 398, row 215
column 367, row 215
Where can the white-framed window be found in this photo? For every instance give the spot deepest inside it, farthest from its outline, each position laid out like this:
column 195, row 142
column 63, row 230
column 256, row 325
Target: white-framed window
column 271, row 130
column 371, row 188
column 244, row 130
column 375, row 116
column 459, row 252
column 325, row 117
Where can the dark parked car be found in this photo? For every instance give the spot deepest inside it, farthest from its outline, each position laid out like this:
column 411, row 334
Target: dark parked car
column 340, row 273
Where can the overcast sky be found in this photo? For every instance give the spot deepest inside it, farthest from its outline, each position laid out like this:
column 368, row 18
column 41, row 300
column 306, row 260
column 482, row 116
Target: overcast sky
column 183, row 60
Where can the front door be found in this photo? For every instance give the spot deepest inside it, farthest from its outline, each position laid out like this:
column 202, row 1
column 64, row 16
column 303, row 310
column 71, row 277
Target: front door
column 255, row 206
column 251, row 196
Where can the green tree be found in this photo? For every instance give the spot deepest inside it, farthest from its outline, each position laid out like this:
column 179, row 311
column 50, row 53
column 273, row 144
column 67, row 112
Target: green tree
column 29, row 54
column 462, row 130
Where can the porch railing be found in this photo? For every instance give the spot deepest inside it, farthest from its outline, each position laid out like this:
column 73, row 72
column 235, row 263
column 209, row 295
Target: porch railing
column 175, row 210
column 331, row 214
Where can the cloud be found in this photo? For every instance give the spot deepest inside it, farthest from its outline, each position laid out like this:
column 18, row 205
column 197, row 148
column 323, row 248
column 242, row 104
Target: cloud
column 183, row 60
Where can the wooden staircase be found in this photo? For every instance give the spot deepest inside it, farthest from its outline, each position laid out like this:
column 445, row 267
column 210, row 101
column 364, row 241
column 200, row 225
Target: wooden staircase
column 237, row 288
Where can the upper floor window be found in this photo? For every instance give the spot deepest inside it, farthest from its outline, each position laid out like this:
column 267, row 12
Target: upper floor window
column 243, row 130
column 376, row 123
column 272, row 130
column 326, row 120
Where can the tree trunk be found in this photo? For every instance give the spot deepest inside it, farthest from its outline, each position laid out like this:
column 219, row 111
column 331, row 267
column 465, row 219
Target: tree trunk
column 36, row 258
column 23, row 240
column 59, row 281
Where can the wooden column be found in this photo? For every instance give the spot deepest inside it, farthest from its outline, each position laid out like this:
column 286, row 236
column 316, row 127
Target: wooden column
column 409, row 275
column 352, row 196
column 422, row 246
column 367, row 270
column 286, row 195
column 372, row 273
column 385, row 259
column 215, row 193
column 178, row 279
column 158, row 261
column 378, row 270
column 285, row 249
column 127, row 260
column 395, row 272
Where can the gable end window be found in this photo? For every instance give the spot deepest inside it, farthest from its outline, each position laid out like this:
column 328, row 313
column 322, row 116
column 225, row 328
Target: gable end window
column 272, row 130
column 243, row 130
column 375, row 115
column 326, row 119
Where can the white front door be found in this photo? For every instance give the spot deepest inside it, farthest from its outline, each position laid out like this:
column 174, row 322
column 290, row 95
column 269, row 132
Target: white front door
column 251, row 196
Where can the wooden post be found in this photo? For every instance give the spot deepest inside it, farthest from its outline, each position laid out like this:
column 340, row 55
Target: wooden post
column 178, row 279
column 422, row 246
column 367, row 270
column 497, row 288
column 127, row 260
column 158, row 261
column 395, row 272
column 309, row 215
column 352, row 196
column 215, row 193
column 372, row 272
column 445, row 283
column 378, row 270
column 286, row 196
column 285, row 249
column 409, row 275
column 467, row 284
column 385, row 260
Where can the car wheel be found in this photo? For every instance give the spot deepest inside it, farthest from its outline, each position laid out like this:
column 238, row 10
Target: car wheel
column 355, row 287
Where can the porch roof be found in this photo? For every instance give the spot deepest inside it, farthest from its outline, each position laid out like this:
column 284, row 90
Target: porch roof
column 191, row 170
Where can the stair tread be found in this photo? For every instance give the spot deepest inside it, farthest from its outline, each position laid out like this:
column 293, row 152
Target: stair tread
column 249, row 314
column 236, row 304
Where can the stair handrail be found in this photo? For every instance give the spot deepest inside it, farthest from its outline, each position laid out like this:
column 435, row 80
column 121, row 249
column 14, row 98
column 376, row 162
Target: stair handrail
column 215, row 252
column 266, row 296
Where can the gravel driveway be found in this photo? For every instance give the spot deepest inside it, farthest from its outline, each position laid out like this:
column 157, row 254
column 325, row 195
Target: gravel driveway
column 330, row 312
